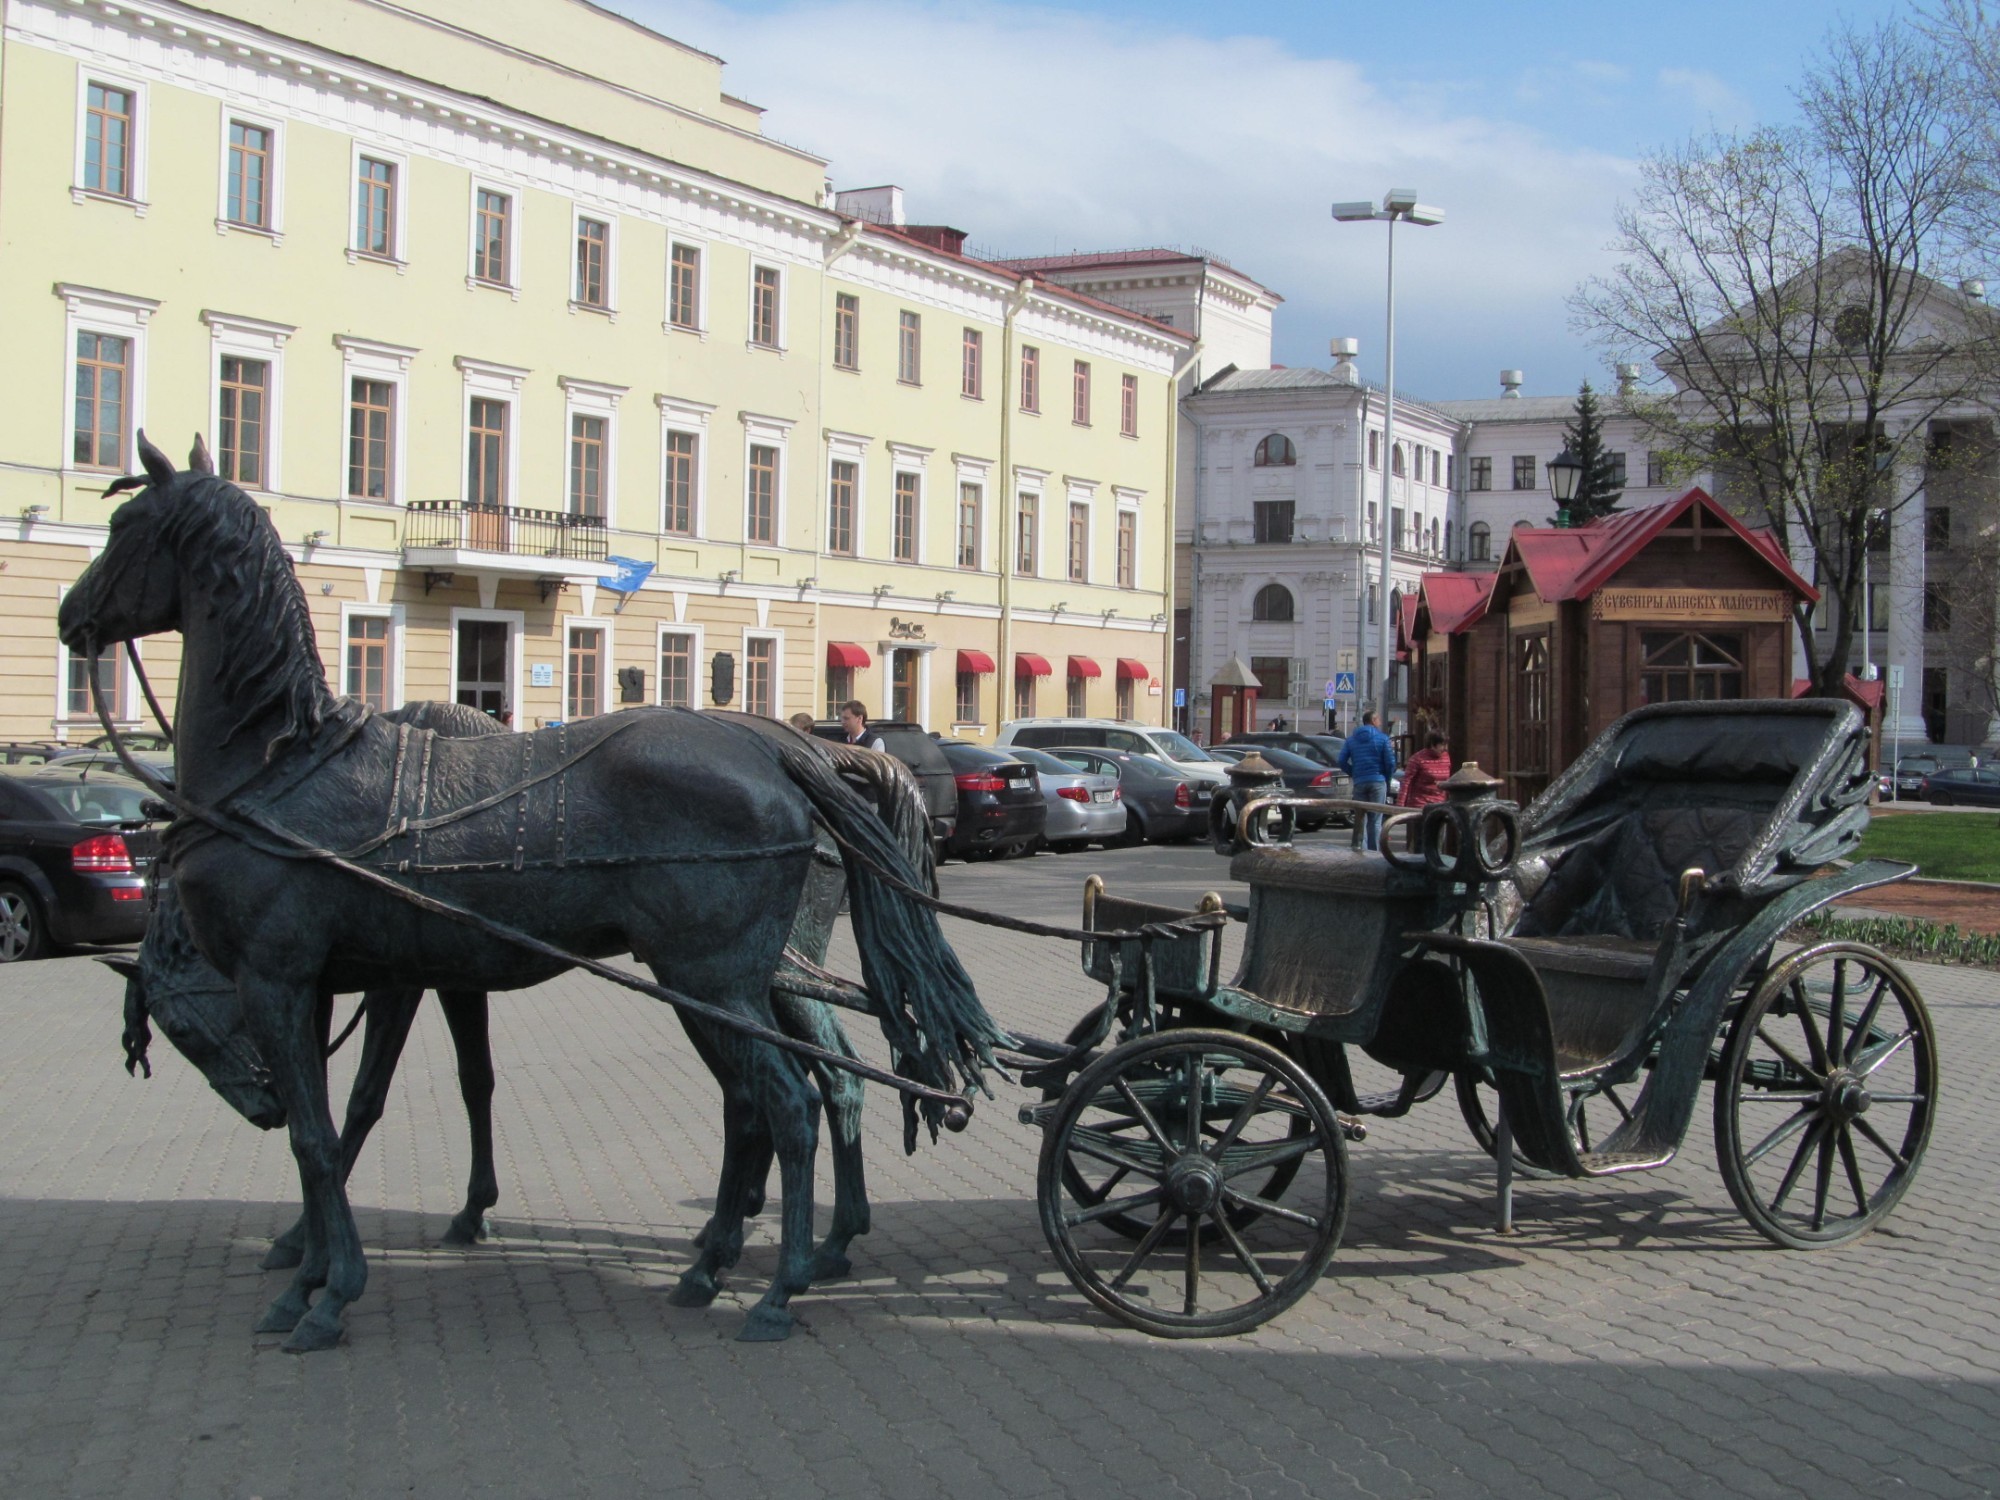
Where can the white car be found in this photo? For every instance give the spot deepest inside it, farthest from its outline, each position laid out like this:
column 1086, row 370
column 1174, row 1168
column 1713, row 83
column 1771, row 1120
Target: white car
column 1182, row 753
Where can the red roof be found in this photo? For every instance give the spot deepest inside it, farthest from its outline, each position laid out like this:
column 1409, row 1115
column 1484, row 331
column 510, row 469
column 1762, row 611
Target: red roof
column 1083, row 666
column 1866, row 695
column 1027, row 664
column 1406, row 622
column 1574, row 562
column 847, row 654
column 973, row 661
column 1131, row 669
column 1456, row 601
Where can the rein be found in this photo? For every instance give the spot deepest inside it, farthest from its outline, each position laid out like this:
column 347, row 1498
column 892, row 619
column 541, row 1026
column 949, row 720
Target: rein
column 146, row 687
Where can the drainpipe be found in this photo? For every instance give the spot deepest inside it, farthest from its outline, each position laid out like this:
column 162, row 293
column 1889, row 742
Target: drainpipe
column 1003, row 664
column 1194, row 575
column 849, row 236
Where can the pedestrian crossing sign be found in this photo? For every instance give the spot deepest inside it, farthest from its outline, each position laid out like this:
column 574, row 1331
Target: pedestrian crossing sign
column 1343, row 684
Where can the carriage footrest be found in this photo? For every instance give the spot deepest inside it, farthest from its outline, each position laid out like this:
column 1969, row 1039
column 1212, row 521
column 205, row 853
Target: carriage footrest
column 1609, row 1163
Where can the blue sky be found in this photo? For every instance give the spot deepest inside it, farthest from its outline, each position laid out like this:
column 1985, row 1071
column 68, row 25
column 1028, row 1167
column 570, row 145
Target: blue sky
column 1116, row 123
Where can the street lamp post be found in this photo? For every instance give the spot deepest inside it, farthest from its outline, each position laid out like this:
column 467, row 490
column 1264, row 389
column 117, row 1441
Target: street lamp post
column 1565, row 475
column 1397, row 203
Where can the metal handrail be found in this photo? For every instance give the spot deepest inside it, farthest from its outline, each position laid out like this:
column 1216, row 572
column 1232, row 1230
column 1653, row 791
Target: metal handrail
column 513, row 529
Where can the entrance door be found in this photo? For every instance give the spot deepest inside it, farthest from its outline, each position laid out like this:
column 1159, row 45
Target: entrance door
column 482, row 665
column 903, row 671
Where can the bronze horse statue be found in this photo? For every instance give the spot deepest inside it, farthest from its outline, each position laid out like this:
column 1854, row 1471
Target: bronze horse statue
column 323, row 850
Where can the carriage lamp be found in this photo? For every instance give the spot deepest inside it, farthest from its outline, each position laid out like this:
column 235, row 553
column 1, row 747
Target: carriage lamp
column 1565, row 474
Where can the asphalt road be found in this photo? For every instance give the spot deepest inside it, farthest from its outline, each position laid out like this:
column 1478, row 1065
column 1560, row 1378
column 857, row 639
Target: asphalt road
column 1635, row 1339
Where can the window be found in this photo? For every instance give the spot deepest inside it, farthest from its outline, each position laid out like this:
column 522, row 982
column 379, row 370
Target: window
column 1276, row 451
column 1374, row 449
column 760, row 676
column 903, row 520
column 367, row 674
column 971, row 371
column 1275, row 673
column 1079, row 392
column 1128, row 406
column 77, row 702
column 1937, row 607
column 583, row 696
column 1128, row 549
column 1373, row 532
column 1078, row 706
column 1031, row 378
column 492, row 223
column 968, row 525
column 1027, row 528
column 677, row 657
column 247, row 189
column 593, row 263
column 587, row 437
column 1434, row 466
column 1079, row 541
column 764, row 306
column 684, row 286
column 678, row 516
column 761, row 496
column 1656, row 467
column 1937, row 529
column 840, row 483
column 1524, row 471
column 103, row 384
column 242, row 420
column 1024, row 695
column 1531, row 705
column 905, row 673
column 107, row 140
column 371, row 425
column 1124, row 700
column 1396, row 461
column 965, row 699
column 1374, row 611
column 486, row 452
column 909, row 348
column 839, row 689
column 1273, row 602
column 375, row 206
column 1479, row 542
column 1618, row 469
column 1396, row 527
column 846, row 331
column 1479, row 473
column 1450, row 470
column 1689, row 668
column 1272, row 520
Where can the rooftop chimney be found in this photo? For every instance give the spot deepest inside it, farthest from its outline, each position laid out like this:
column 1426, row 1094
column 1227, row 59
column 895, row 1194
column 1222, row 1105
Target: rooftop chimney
column 1974, row 288
column 938, row 237
column 1628, row 379
column 1510, row 384
column 877, row 205
column 1344, row 352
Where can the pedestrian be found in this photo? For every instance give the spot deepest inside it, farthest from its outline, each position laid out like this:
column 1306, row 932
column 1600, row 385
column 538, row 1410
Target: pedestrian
column 803, row 723
column 1369, row 759
column 1424, row 773
column 854, row 725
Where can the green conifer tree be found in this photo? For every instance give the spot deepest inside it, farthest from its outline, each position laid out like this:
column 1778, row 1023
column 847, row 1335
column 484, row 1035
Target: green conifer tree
column 1602, row 487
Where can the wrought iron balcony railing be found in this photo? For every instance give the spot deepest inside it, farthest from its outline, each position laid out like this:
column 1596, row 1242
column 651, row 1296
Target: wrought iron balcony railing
column 465, row 525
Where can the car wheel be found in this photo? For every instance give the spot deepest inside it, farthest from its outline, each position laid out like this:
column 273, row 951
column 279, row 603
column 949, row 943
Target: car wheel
column 22, row 934
column 1940, row 799
column 1311, row 827
column 1068, row 846
column 1135, row 831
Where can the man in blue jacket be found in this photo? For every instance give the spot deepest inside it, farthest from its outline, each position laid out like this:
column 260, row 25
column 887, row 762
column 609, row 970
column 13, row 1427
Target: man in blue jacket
column 1370, row 759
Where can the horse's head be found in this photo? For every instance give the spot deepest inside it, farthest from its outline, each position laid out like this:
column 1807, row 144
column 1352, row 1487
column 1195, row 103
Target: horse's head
column 132, row 588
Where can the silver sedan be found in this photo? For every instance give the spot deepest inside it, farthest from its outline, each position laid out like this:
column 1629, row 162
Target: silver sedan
column 1084, row 806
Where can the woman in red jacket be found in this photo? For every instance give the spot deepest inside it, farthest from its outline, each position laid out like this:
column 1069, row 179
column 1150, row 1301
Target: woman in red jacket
column 1425, row 772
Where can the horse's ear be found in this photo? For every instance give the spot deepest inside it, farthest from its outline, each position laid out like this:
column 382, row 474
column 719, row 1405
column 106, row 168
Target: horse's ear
column 159, row 468
column 198, row 459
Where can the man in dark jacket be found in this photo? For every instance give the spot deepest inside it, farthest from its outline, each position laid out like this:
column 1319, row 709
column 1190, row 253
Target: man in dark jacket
column 1370, row 759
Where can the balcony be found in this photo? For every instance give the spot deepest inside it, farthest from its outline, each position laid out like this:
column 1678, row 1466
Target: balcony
column 443, row 535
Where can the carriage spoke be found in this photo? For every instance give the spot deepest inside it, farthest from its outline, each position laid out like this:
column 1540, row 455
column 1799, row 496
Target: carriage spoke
column 1275, row 1210
column 1783, row 1133
column 1866, row 1022
column 1088, row 1195
column 1853, row 1167
column 1241, row 1251
column 1083, row 1144
column 1146, row 1248
column 1252, row 1159
column 1881, row 1052
column 1836, row 1012
column 1191, row 1284
column 1899, row 1098
column 1243, row 1115
column 1824, row 1174
column 1815, row 1040
column 1883, row 1146
column 1104, row 1209
column 1191, row 1141
column 1797, row 1167
column 1144, row 1116
column 1814, row 1076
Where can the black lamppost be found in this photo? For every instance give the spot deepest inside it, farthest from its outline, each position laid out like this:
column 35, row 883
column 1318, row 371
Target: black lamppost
column 1565, row 474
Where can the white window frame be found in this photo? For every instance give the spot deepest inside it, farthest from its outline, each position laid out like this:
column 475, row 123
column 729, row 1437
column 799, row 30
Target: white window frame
column 680, row 627
column 677, row 415
column 394, row 614
column 516, row 622
column 591, row 398
column 473, row 281
column 399, row 216
column 703, row 268
column 780, row 344
column 1081, row 492
column 1129, row 502
column 777, row 638
column 88, row 310
column 847, row 448
column 578, row 213
column 141, row 119
column 368, row 359
column 234, row 336
column 570, row 625
column 274, row 231
column 1033, row 482
column 979, row 472
column 128, row 692
column 491, row 382
column 906, row 458
column 766, row 432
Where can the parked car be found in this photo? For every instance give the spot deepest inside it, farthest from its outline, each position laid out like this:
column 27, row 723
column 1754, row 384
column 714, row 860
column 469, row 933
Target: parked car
column 1912, row 769
column 75, row 850
column 1324, row 748
column 1162, row 802
column 1000, row 808
column 1085, row 807
column 914, row 747
column 1303, row 778
column 29, row 752
column 1963, row 787
column 1118, row 734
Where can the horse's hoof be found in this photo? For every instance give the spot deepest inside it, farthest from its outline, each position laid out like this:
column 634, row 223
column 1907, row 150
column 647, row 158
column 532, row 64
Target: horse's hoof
column 313, row 1334
column 694, row 1290
column 465, row 1230
column 831, row 1265
column 282, row 1256
column 766, row 1325
column 283, row 1316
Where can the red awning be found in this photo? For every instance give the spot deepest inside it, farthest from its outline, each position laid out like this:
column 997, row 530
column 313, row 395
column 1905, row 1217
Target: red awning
column 847, row 654
column 1027, row 664
column 974, row 661
column 1132, row 671
column 1083, row 666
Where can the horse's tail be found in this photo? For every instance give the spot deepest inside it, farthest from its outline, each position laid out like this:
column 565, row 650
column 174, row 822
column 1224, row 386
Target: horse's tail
column 898, row 801
column 941, row 1034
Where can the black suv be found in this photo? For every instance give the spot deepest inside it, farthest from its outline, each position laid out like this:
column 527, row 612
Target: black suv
column 1324, row 748
column 913, row 746
column 75, row 849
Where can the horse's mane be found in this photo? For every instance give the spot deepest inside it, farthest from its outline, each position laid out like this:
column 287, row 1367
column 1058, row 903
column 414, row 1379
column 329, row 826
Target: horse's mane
column 269, row 654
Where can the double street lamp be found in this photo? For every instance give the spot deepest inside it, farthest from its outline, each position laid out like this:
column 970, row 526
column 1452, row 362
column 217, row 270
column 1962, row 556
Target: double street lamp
column 1398, row 204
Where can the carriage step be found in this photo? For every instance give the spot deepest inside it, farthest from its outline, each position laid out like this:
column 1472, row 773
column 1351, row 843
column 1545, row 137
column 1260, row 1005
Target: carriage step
column 1610, row 1163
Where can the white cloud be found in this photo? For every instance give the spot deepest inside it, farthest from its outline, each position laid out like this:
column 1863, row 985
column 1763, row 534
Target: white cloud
column 1038, row 130
column 1720, row 106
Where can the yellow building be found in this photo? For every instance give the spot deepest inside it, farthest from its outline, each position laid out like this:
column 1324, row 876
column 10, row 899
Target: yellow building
column 495, row 305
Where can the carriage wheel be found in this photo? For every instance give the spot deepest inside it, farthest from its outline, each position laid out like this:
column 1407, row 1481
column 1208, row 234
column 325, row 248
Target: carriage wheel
column 1180, row 1132
column 1593, row 1114
column 1829, row 1085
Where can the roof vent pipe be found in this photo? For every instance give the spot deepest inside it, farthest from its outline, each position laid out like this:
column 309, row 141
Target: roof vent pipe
column 1628, row 379
column 1974, row 288
column 1345, row 352
column 1510, row 384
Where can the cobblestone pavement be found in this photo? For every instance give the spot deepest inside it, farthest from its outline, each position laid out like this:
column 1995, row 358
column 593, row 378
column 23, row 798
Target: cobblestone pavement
column 1635, row 1339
